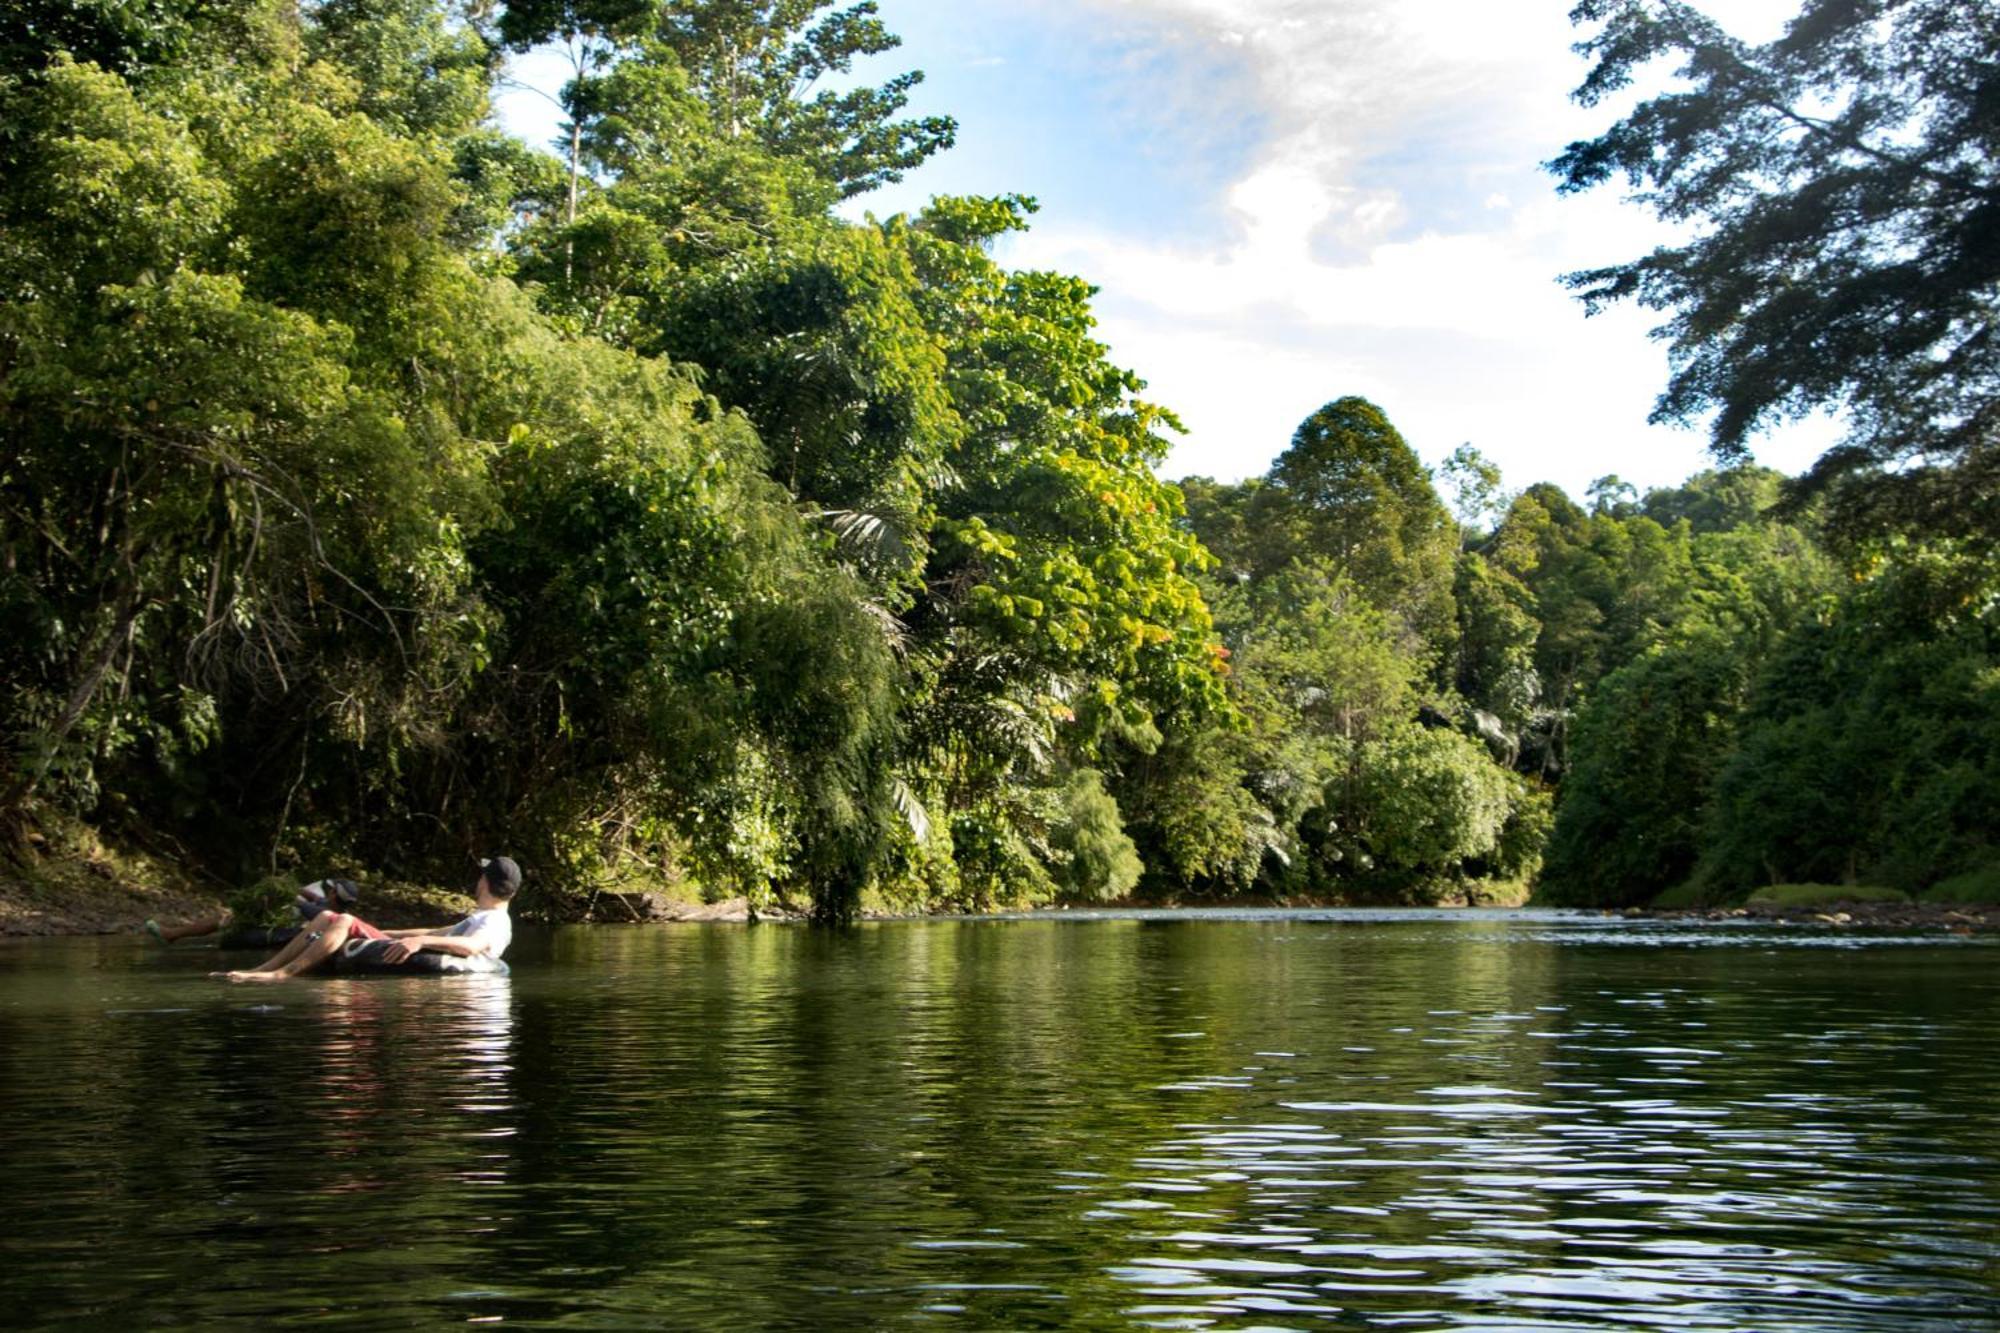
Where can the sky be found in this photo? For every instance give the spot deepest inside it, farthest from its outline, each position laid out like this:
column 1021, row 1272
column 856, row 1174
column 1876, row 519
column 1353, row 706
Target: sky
column 1283, row 202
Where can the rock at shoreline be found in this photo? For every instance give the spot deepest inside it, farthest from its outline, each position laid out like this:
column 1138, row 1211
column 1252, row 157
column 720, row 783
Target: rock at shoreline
column 1956, row 918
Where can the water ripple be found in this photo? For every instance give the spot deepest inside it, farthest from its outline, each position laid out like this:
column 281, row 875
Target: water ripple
column 1468, row 1121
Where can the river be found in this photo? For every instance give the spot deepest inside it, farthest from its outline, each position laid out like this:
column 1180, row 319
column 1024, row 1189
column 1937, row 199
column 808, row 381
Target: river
column 1229, row 1121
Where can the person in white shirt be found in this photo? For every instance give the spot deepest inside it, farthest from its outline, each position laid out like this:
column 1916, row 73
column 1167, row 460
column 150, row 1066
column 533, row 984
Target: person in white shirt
column 487, row 930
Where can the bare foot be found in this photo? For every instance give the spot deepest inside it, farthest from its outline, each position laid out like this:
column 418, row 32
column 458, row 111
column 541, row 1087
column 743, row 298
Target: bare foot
column 257, row 976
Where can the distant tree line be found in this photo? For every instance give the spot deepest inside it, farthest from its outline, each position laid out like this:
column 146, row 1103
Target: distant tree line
column 377, row 488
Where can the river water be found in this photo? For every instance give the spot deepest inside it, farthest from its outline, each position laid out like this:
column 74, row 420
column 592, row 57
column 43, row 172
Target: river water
column 1251, row 1120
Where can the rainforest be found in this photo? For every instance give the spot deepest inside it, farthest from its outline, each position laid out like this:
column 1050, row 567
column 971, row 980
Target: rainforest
column 377, row 488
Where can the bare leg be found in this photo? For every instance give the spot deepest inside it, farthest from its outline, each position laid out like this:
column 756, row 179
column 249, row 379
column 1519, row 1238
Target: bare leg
column 315, row 946
column 298, row 944
column 207, row 925
column 293, row 947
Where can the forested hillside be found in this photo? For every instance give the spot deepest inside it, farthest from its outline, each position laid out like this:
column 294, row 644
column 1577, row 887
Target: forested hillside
column 378, row 489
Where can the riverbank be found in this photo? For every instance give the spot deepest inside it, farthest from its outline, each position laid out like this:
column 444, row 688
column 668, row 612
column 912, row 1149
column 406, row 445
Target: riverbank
column 1954, row 918
column 64, row 878
column 106, row 896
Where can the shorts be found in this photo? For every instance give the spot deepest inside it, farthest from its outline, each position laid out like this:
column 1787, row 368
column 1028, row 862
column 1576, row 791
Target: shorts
column 357, row 929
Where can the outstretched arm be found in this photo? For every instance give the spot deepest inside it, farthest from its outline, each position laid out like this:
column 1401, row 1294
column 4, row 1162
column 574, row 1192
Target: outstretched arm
column 408, row 943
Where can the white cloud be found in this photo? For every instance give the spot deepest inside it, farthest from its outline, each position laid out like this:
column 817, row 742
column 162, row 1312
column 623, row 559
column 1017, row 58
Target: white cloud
column 1376, row 247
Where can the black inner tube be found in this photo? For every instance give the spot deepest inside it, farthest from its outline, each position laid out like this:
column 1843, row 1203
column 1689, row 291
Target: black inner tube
column 364, row 958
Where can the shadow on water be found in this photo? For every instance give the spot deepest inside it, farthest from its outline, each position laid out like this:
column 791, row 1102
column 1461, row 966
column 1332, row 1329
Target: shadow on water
column 1275, row 1120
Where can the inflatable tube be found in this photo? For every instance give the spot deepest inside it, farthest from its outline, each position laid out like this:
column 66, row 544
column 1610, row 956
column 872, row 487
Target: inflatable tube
column 364, row 958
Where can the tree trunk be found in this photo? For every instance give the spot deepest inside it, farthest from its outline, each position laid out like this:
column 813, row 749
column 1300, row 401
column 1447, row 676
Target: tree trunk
column 93, row 667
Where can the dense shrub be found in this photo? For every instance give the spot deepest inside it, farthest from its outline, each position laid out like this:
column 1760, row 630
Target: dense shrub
column 1102, row 862
column 1644, row 754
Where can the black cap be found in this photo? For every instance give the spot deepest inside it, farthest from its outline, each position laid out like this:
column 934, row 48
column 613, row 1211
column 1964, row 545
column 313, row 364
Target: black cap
column 503, row 877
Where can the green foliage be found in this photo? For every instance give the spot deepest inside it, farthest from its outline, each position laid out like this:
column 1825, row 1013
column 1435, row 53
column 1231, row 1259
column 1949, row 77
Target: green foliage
column 1716, row 500
column 1421, row 804
column 211, row 492
column 1055, row 541
column 378, row 484
column 412, row 69
column 1688, row 895
column 1841, row 187
column 823, row 347
column 1102, row 862
column 999, row 849
column 1612, row 496
column 1871, row 748
column 1250, row 529
column 1308, row 647
column 1519, row 854
column 677, row 650
column 1352, row 493
column 1652, row 736
column 134, row 38
column 1366, row 503
column 1822, row 895
column 1497, row 633
column 1974, row 886
column 349, row 540
column 1196, row 822
column 751, row 63
column 269, row 901
column 1316, row 671
column 734, row 71
column 1335, row 599
column 525, row 23
column 1645, row 752
column 1473, row 480
column 970, row 453
column 1617, row 654
column 1605, row 587
column 354, row 492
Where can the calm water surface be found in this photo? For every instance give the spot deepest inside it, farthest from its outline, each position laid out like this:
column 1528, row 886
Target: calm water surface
column 1249, row 1121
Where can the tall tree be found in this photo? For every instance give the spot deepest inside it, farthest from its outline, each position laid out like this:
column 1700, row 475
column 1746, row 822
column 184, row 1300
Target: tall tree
column 1368, row 505
column 132, row 37
column 1844, row 193
column 1716, row 500
column 1473, row 482
column 416, row 69
column 750, row 69
column 755, row 64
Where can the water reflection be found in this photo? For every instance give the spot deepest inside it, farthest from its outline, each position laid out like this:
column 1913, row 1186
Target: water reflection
column 230, row 1156
column 1460, row 1122
column 1559, row 1199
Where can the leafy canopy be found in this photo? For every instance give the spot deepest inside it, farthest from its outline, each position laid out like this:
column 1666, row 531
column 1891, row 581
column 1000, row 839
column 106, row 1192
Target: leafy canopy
column 748, row 70
column 1845, row 196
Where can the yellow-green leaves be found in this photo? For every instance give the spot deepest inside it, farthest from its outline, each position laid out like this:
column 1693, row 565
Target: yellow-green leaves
column 121, row 191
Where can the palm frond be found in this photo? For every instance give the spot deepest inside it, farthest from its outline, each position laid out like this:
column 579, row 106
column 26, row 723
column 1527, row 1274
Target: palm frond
column 911, row 809
column 867, row 537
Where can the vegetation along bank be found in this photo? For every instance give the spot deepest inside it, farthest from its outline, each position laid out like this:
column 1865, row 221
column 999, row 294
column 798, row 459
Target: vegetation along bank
column 378, row 488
